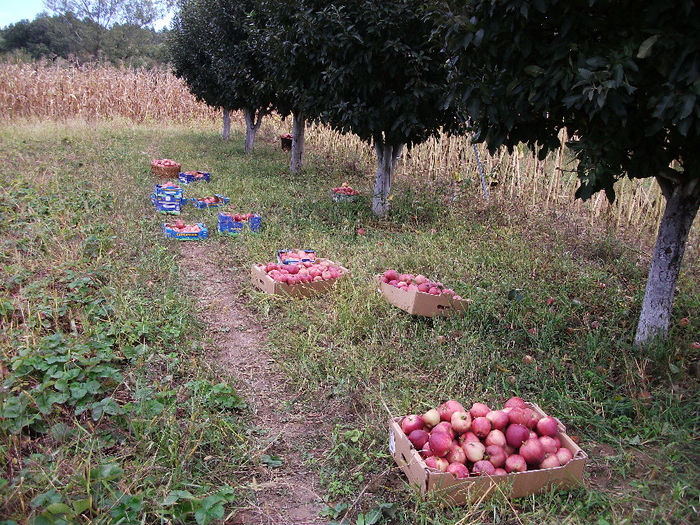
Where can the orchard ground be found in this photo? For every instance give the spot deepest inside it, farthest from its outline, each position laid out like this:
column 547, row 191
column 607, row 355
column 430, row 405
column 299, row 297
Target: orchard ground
column 134, row 415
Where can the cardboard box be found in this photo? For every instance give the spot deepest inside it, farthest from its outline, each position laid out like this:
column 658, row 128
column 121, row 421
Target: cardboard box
column 462, row 491
column 421, row 303
column 260, row 279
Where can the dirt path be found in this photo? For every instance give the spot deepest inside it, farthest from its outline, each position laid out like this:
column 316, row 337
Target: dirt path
column 288, row 494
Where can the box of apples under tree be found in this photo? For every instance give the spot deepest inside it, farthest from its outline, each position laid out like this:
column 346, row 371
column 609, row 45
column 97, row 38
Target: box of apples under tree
column 418, row 295
column 344, row 193
column 234, row 223
column 188, row 177
column 185, row 232
column 469, row 454
column 297, row 280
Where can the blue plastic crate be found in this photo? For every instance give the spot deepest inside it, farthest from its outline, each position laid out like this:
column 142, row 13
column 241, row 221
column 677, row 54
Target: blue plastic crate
column 311, row 257
column 188, row 178
column 180, row 236
column 202, row 205
column 168, row 200
column 226, row 224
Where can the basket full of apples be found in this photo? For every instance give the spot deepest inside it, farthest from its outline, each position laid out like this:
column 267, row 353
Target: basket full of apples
column 297, row 279
column 213, row 201
column 234, row 223
column 165, row 168
column 185, row 232
column 295, row 256
column 167, row 198
column 467, row 454
column 418, row 295
column 344, row 193
column 188, row 177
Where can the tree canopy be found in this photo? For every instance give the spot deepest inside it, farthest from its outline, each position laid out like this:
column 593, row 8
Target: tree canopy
column 217, row 48
column 108, row 12
column 66, row 36
column 622, row 78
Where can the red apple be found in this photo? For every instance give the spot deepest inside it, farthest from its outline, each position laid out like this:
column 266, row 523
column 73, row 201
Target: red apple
column 564, row 455
column 436, row 463
column 411, row 423
column 474, row 451
column 445, row 427
column 496, row 437
column 440, row 443
column 549, row 445
column 461, row 422
column 479, row 410
column 467, row 437
column 500, row 472
column 547, row 426
column 515, row 463
column 458, row 470
column 483, row 467
column 516, row 435
column 532, row 451
column 419, row 438
column 499, row 419
column 550, row 461
column 496, row 455
column 456, row 455
column 481, row 427
column 448, row 408
column 515, row 402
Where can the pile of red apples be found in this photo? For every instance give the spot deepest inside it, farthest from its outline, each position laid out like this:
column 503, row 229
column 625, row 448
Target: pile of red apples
column 345, row 189
column 304, row 272
column 164, row 162
column 408, row 282
column 481, row 441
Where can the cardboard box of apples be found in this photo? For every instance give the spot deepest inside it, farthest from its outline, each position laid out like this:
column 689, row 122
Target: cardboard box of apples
column 185, row 232
column 418, row 295
column 297, row 279
column 188, row 177
column 344, row 192
column 468, row 454
column 214, row 201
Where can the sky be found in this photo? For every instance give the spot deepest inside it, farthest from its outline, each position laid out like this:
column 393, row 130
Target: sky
column 12, row 11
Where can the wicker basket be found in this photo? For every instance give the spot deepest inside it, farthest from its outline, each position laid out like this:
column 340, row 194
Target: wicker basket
column 166, row 171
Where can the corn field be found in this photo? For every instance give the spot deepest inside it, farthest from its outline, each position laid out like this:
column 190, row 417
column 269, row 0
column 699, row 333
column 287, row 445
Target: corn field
column 63, row 91
column 93, row 92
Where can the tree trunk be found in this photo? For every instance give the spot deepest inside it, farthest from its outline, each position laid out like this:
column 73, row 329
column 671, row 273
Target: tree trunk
column 682, row 201
column 387, row 156
column 298, row 129
column 226, row 132
column 252, row 125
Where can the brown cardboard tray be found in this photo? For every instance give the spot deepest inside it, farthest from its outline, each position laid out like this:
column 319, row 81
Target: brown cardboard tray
column 462, row 491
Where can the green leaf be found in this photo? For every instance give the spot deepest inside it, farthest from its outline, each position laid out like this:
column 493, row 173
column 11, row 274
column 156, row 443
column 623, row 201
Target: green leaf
column 645, row 47
column 373, row 516
column 271, row 461
column 175, row 496
column 106, row 472
column 81, row 505
column 59, row 508
column 211, row 508
column 533, row 70
column 47, row 498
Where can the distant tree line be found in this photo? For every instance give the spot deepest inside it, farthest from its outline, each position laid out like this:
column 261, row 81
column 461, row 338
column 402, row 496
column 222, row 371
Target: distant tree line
column 67, row 36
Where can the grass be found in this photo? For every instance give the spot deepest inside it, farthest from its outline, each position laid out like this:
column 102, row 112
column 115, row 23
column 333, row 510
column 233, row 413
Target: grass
column 82, row 256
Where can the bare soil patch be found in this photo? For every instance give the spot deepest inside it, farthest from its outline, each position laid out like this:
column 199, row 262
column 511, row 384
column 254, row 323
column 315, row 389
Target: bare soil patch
column 289, row 494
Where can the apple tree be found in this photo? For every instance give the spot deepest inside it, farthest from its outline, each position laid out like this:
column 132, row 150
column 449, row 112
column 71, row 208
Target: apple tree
column 369, row 68
column 216, row 48
column 622, row 78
